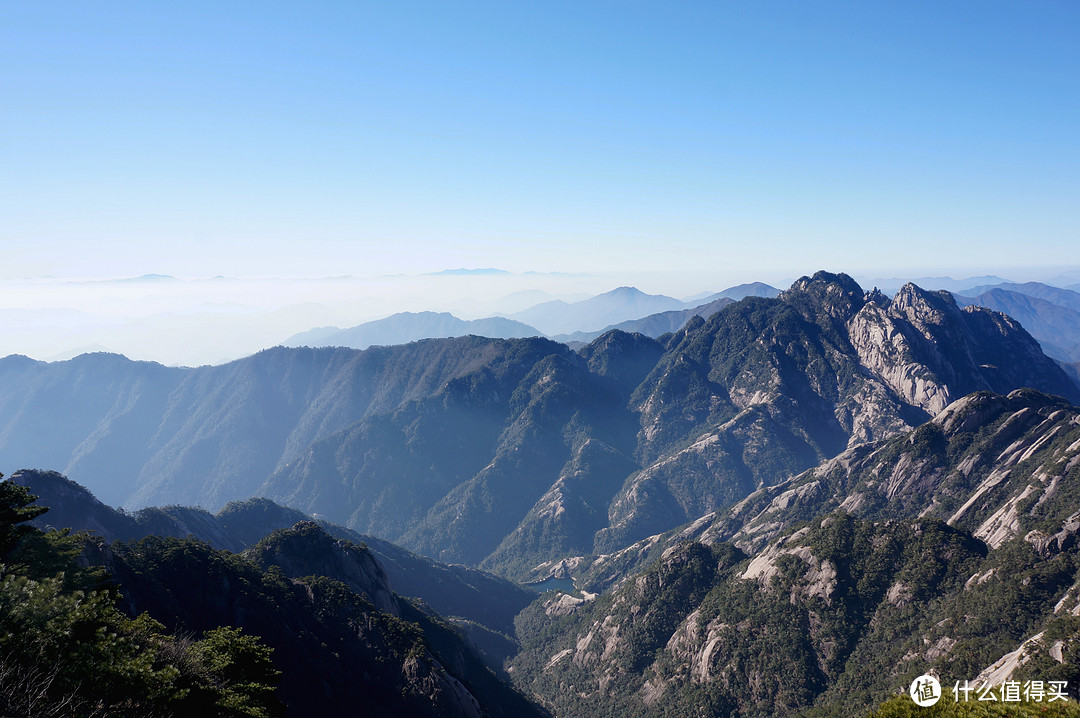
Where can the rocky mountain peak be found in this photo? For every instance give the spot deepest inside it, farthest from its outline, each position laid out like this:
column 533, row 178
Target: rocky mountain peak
column 836, row 295
column 971, row 412
column 924, row 307
column 878, row 297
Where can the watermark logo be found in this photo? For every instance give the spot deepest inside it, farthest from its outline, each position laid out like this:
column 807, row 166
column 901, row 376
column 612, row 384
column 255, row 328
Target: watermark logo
column 1012, row 692
column 925, row 690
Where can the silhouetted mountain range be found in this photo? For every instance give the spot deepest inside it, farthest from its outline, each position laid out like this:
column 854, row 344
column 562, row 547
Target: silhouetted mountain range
column 453, row 591
column 301, row 623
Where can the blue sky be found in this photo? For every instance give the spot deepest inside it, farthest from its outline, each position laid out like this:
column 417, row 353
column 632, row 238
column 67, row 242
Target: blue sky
column 354, row 138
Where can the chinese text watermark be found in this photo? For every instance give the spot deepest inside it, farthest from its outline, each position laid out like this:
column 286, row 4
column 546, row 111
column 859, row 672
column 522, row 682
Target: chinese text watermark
column 926, row 691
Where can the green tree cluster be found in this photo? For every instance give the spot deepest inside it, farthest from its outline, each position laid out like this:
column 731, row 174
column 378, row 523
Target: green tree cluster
column 67, row 650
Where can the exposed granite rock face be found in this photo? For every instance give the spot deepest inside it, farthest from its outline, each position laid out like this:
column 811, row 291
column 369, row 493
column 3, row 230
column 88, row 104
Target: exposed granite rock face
column 878, row 335
column 930, row 352
column 994, row 465
column 822, row 609
column 1001, row 467
column 445, row 692
column 767, row 388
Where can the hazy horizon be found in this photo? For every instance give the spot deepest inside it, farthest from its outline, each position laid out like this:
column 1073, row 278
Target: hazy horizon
column 194, row 321
column 330, row 160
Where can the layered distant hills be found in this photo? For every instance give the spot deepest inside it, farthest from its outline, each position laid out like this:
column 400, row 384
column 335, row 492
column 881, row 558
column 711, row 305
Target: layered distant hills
column 790, row 505
column 618, row 305
column 624, row 308
column 408, row 327
column 507, row 453
column 654, row 325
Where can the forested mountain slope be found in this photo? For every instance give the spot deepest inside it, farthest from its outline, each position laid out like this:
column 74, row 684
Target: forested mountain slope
column 303, row 624
column 950, row 548
column 834, row 616
column 452, row 591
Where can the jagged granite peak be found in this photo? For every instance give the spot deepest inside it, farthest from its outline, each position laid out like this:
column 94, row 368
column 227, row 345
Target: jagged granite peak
column 767, row 387
column 888, row 347
column 930, row 351
column 876, row 296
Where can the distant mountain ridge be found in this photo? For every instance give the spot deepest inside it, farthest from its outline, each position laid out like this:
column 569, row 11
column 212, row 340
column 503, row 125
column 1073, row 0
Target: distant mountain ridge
column 1064, row 297
column 654, row 325
column 638, row 308
column 1052, row 315
column 935, row 283
column 739, row 291
column 603, row 310
column 508, row 453
column 136, row 432
column 406, row 327
column 660, row 323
